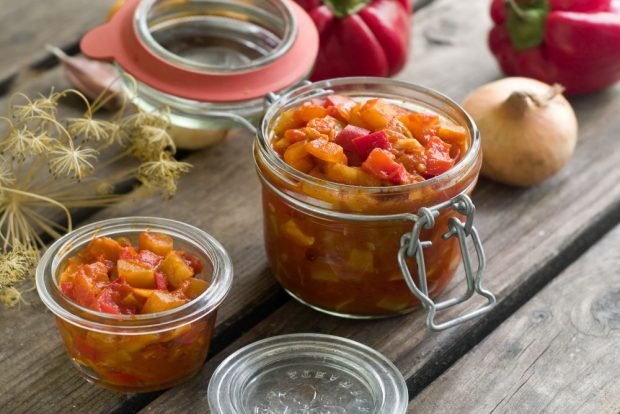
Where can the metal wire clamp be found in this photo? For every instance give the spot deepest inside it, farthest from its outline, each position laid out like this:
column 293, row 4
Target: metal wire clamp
column 412, row 246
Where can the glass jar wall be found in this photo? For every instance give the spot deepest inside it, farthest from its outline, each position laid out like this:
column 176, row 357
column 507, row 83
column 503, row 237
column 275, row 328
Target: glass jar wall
column 334, row 246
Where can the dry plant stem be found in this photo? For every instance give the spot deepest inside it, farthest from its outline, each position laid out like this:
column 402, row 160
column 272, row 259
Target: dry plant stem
column 49, row 163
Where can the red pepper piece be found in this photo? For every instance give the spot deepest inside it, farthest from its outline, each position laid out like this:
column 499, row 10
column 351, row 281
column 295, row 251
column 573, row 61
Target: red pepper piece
column 160, row 281
column 369, row 37
column 149, row 258
column 572, row 42
column 364, row 145
column 128, row 252
column 192, row 261
column 438, row 158
column 348, row 134
column 337, row 100
column 66, row 288
column 110, row 298
column 381, row 164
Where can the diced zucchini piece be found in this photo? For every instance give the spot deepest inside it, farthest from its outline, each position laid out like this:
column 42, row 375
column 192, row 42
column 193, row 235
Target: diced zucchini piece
column 323, row 272
column 160, row 301
column 192, row 288
column 102, row 248
column 143, row 293
column 137, row 274
column 175, row 269
column 361, row 260
column 158, row 243
column 296, row 235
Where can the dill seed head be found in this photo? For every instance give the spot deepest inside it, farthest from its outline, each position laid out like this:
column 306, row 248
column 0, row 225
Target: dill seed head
column 149, row 142
column 16, row 265
column 17, row 143
column 7, row 177
column 74, row 162
column 162, row 174
column 42, row 106
column 89, row 129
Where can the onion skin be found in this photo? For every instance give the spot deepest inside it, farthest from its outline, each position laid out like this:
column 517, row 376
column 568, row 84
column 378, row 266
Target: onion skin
column 525, row 140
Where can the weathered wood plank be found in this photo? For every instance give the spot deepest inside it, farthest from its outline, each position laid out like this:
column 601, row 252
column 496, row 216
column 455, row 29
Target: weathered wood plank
column 234, row 217
column 28, row 25
column 560, row 353
column 529, row 234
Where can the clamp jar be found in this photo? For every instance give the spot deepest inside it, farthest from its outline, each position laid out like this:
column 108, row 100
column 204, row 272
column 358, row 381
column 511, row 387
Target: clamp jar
column 137, row 353
column 367, row 252
column 210, row 63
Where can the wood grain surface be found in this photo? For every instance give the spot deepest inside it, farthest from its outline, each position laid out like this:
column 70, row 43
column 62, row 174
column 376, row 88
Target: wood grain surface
column 26, row 26
column 560, row 353
column 529, row 235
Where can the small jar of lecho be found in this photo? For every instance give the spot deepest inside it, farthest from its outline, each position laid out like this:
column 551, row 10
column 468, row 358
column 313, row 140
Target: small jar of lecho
column 127, row 350
column 344, row 239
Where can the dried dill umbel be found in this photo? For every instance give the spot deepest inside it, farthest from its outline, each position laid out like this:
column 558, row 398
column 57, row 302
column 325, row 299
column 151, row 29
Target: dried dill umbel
column 50, row 165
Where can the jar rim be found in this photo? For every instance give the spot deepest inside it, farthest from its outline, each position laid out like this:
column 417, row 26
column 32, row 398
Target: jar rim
column 322, row 88
column 64, row 308
column 143, row 32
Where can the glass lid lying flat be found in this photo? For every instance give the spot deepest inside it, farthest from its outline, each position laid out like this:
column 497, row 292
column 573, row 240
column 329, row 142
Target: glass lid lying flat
column 307, row 373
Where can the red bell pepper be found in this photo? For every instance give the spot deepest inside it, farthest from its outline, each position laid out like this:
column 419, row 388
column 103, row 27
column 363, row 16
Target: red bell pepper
column 348, row 134
column 363, row 145
column 360, row 37
column 575, row 43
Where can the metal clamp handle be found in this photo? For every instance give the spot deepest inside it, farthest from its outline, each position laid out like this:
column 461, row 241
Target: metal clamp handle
column 412, row 246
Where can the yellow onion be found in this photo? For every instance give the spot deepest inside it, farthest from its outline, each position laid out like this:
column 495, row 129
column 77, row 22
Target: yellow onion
column 528, row 129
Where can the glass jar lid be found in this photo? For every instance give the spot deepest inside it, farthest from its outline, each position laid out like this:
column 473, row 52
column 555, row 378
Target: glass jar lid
column 209, row 50
column 310, row 373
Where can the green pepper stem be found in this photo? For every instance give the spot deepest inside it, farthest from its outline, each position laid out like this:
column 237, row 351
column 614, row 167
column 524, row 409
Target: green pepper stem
column 518, row 10
column 343, row 8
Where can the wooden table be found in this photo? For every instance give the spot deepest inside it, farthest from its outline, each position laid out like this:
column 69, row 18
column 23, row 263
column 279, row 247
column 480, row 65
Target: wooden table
column 552, row 344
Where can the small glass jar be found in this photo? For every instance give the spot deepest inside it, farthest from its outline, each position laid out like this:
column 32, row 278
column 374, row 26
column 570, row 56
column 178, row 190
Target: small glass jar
column 357, row 251
column 209, row 63
column 137, row 353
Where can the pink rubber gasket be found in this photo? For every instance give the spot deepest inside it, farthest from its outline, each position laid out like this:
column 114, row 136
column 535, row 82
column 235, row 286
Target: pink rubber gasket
column 117, row 41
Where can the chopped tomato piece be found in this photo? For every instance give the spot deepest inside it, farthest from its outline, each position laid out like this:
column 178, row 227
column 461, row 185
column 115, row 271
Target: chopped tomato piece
column 377, row 113
column 381, row 164
column 295, row 152
column 308, row 111
column 421, row 125
column 438, row 158
column 295, row 135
